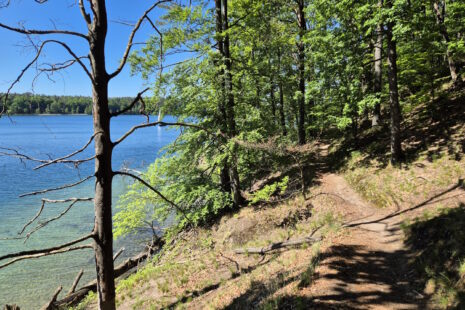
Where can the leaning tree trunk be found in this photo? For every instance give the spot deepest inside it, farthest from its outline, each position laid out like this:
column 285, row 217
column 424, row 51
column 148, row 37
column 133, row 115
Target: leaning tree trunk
column 440, row 16
column 103, row 239
column 301, row 59
column 396, row 149
column 377, row 85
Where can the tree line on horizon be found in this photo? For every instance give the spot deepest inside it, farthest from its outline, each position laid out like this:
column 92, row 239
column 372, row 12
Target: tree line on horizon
column 28, row 103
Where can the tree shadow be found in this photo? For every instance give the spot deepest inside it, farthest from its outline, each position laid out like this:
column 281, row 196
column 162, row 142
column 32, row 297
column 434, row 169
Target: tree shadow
column 352, row 265
column 432, row 129
column 438, row 247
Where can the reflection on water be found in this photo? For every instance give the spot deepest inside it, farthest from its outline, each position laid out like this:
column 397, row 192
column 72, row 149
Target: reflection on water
column 31, row 283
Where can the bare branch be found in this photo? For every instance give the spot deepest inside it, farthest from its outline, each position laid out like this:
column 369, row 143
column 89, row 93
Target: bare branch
column 178, row 208
column 133, row 103
column 131, row 37
column 277, row 245
column 56, row 188
column 46, row 250
column 161, row 124
column 49, row 305
column 59, row 251
column 71, row 154
column 75, row 282
column 21, row 157
column 84, row 13
column 117, row 254
column 48, row 221
column 42, row 32
column 36, row 57
column 44, row 201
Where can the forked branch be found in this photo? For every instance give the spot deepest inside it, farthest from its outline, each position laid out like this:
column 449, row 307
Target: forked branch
column 132, row 35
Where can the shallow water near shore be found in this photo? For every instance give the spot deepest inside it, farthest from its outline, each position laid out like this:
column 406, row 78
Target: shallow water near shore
column 31, row 283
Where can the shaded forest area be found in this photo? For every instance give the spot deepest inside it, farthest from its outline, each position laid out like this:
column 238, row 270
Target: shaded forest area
column 29, row 103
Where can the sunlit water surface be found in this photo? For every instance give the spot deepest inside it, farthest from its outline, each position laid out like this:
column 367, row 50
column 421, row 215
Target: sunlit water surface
column 31, row 283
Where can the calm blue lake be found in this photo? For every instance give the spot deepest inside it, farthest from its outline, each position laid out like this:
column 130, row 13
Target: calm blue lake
column 30, row 283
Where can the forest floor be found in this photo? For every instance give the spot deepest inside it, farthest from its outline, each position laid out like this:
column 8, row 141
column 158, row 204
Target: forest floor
column 391, row 237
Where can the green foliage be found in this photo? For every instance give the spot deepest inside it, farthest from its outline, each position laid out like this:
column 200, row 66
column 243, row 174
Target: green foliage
column 266, row 192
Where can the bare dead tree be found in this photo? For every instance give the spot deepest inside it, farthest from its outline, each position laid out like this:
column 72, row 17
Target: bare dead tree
column 94, row 13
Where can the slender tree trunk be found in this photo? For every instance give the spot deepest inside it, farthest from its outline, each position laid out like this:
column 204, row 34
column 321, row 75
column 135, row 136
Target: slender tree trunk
column 377, row 85
column 103, row 240
column 281, row 108
column 231, row 122
column 224, row 174
column 273, row 98
column 396, row 149
column 301, row 56
column 439, row 11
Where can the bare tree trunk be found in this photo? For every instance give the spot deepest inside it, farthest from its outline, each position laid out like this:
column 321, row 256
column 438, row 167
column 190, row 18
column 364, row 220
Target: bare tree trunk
column 301, row 56
column 396, row 148
column 103, row 239
column 377, row 85
column 439, row 11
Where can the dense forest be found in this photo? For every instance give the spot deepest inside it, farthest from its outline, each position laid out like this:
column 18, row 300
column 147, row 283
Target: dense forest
column 280, row 102
column 29, row 103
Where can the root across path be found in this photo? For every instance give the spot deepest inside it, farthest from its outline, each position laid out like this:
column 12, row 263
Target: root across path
column 367, row 267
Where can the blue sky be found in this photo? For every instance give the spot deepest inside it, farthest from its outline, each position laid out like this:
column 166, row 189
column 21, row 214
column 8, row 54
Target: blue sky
column 15, row 52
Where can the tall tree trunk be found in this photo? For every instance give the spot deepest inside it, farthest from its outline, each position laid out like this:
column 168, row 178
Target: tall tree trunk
column 231, row 121
column 103, row 240
column 281, row 108
column 396, row 148
column 224, row 174
column 301, row 59
column 377, row 85
column 440, row 11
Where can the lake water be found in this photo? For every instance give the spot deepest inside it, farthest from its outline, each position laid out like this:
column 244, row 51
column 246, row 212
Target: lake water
column 30, row 283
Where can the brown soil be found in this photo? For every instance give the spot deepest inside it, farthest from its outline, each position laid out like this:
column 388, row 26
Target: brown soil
column 367, row 268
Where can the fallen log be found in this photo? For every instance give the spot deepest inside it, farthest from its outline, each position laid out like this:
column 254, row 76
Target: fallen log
column 276, row 245
column 127, row 265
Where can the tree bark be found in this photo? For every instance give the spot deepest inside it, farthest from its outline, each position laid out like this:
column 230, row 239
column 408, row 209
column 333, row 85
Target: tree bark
column 103, row 238
column 225, row 179
column 233, row 173
column 377, row 85
column 281, row 108
column 396, row 148
column 301, row 64
column 439, row 12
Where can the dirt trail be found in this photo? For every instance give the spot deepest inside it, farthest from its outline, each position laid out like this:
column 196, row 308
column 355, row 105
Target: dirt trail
column 367, row 267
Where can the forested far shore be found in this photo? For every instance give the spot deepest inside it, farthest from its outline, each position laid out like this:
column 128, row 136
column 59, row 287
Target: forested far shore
column 29, row 103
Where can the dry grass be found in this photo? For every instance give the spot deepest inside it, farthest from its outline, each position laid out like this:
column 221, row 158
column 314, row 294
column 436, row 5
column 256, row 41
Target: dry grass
column 201, row 270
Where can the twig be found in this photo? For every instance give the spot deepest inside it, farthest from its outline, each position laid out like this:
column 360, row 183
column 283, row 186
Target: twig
column 48, row 221
column 56, row 188
column 132, row 104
